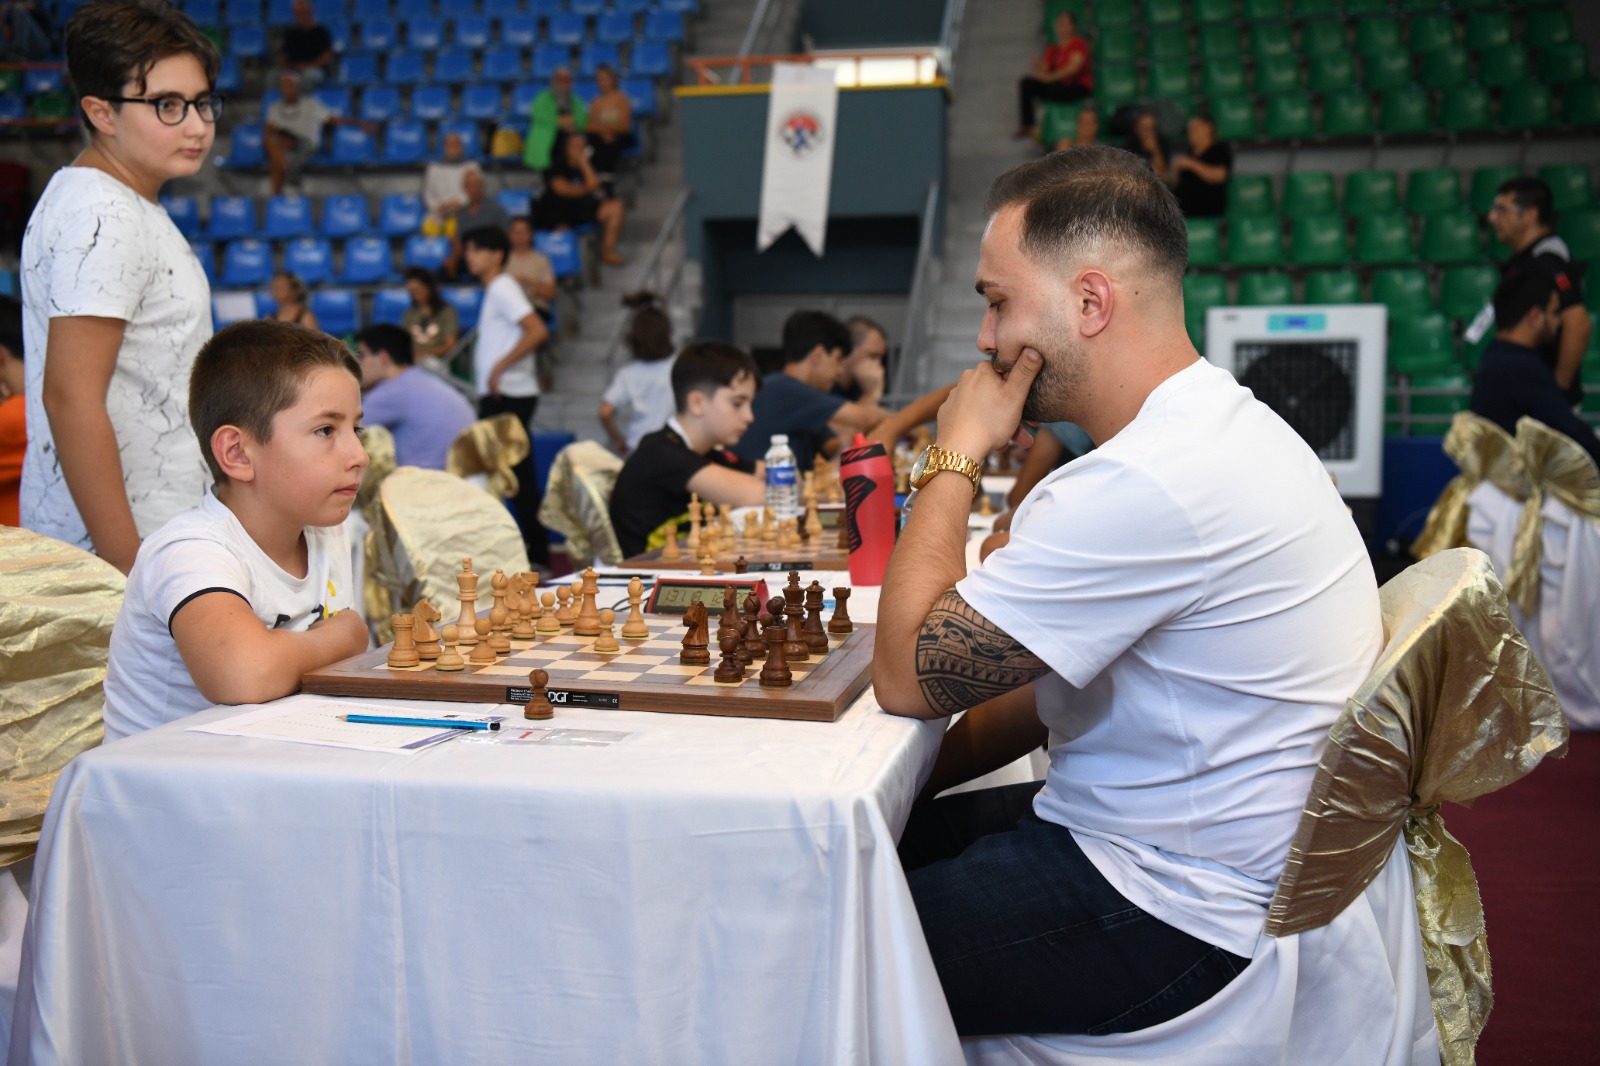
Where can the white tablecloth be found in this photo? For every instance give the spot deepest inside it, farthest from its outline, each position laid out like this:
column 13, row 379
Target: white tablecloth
column 711, row 890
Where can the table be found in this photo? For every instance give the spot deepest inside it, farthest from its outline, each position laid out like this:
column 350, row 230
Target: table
column 710, row 890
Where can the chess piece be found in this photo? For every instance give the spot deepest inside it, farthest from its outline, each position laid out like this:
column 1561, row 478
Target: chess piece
column 775, row 673
column 730, row 671
column 748, row 628
column 696, row 644
column 564, row 611
column 539, row 707
column 403, row 652
column 607, row 640
column 840, row 622
column 426, row 637
column 527, row 606
column 587, row 623
column 635, row 628
column 754, row 645
column 548, row 620
column 741, row 566
column 708, row 566
column 812, row 630
column 669, row 550
column 499, row 585
column 499, row 642
column 985, row 505
column 730, row 611
column 467, row 582
column 794, row 580
column 449, row 658
column 794, row 645
column 813, row 520
column 482, row 650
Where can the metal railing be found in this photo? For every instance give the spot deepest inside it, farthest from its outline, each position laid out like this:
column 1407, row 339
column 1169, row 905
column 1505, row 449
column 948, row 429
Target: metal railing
column 911, row 369
column 926, row 64
column 652, row 273
column 950, row 37
column 771, row 28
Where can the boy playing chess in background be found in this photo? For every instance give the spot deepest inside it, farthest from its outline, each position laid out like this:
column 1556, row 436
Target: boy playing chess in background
column 234, row 600
column 712, row 386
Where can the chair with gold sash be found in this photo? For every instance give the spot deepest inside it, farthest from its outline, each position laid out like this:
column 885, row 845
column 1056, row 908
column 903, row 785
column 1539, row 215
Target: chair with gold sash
column 576, row 502
column 57, row 606
column 1363, row 958
column 1485, row 453
column 487, row 452
column 377, row 601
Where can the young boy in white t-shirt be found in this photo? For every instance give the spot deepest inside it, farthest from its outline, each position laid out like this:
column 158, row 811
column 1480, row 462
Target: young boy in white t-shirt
column 233, row 601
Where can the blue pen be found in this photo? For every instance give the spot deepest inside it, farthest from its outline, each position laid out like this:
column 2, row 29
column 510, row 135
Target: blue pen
column 447, row 723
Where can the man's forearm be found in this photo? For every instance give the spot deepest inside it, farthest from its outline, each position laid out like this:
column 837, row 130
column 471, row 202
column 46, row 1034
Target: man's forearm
column 1575, row 329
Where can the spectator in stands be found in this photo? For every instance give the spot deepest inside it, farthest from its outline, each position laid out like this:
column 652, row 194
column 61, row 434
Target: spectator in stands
column 422, row 410
column 573, row 196
column 1062, row 75
column 1088, row 129
column 1148, row 144
column 444, row 187
column 289, row 292
column 1201, row 176
column 431, row 321
column 610, row 128
column 509, row 333
column 555, row 110
column 642, row 388
column 1524, row 220
column 13, row 411
column 294, row 126
column 861, row 375
column 307, row 48
column 531, row 268
column 115, row 304
column 1514, row 377
column 478, row 212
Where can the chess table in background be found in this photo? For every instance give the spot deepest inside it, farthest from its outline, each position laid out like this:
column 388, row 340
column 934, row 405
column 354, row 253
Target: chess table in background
column 818, row 553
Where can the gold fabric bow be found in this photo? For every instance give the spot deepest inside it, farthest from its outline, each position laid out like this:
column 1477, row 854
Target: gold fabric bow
column 427, row 522
column 1484, row 452
column 492, row 446
column 1557, row 466
column 576, row 502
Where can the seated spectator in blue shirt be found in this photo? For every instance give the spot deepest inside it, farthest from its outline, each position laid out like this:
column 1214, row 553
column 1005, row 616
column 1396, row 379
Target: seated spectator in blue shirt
column 797, row 401
column 1513, row 377
column 423, row 412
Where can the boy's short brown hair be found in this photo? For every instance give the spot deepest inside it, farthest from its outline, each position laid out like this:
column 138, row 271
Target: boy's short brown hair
column 708, row 366
column 110, row 43
column 248, row 372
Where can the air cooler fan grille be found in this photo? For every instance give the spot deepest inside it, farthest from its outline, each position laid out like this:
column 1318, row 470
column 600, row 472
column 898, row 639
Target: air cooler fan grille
column 1311, row 386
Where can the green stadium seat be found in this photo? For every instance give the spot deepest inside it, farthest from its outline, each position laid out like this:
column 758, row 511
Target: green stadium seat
column 1205, row 241
column 1581, row 231
column 1290, row 116
column 1163, row 12
column 1423, row 344
column 1331, row 72
column 1320, row 38
column 1255, row 240
column 1488, row 30
column 1265, row 288
column 1472, row 351
column 1433, row 190
column 1445, row 68
column 1347, row 114
column 1116, row 12
column 1526, row 105
column 1168, row 42
column 1258, row 10
column 1442, row 408
column 1405, row 111
column 1221, row 41
column 1385, row 69
column 1503, row 66
column 1235, row 117
column 1213, row 10
column 1571, row 184
column 1057, row 121
column 1463, row 290
column 1309, row 192
column 1451, row 238
column 1430, row 32
column 1201, row 292
column 1278, row 76
column 1315, row 9
column 1465, row 109
column 1333, row 287
column 1485, row 180
column 1116, row 84
column 1116, row 46
column 1357, row 8
column 1371, row 192
column 1384, row 239
column 1580, row 106
column 1221, row 79
column 1170, row 80
column 1250, row 195
column 1404, row 292
column 1318, row 240
column 1379, row 33
column 1561, row 63
column 1547, row 26
column 1271, row 40
column 1422, row 5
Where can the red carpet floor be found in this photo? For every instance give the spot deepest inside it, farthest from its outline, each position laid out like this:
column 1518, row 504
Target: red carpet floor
column 1536, row 849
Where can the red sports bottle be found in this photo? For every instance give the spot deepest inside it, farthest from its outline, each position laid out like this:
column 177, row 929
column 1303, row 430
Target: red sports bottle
column 868, row 479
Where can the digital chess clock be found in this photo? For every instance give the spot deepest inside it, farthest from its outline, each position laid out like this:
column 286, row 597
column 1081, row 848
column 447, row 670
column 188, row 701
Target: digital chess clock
column 673, row 595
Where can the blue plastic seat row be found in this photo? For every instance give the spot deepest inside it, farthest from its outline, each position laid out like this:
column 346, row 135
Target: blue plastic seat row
column 248, row 262
column 344, row 215
column 650, row 59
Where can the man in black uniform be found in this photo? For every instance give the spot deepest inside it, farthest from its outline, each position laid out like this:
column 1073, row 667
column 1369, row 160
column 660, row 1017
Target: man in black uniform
column 307, row 46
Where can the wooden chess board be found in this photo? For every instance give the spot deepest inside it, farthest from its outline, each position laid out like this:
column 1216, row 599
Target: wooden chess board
column 644, row 675
column 819, row 553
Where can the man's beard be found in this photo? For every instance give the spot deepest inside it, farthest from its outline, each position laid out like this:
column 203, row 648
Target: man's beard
column 1058, row 389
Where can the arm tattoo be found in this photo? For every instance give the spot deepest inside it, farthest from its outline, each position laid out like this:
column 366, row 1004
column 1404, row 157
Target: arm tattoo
column 964, row 659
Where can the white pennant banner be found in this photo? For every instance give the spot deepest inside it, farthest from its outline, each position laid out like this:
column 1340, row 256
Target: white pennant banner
column 797, row 176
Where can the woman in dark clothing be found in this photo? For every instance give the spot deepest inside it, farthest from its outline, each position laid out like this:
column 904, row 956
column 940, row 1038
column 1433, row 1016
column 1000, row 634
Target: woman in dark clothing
column 573, row 196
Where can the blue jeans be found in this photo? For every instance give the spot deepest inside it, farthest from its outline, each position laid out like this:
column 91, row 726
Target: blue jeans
column 1028, row 937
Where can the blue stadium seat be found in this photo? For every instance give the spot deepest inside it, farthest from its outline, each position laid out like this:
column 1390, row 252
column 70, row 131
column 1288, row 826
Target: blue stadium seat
column 430, row 103
column 339, row 30
column 407, row 10
column 585, row 89
column 546, row 9
column 662, row 25
column 287, row 216
column 365, row 11
column 548, row 57
column 358, row 68
column 246, row 262
column 406, row 67
column 586, row 8
column 471, row 145
column 367, row 261
column 185, row 212
column 207, row 255
column 502, row 9
column 229, row 77
column 330, row 10
column 379, row 34
column 642, row 95
column 352, row 147
column 337, row 310
column 245, row 150
column 242, row 13
column 400, row 214
column 310, row 258
column 36, row 80
column 380, row 103
column 13, row 107
column 561, row 248
column 471, row 31
column 453, row 66
column 405, row 143
column 226, row 309
column 592, row 55
column 515, row 202
column 631, row 7
column 481, row 102
column 231, row 216
column 502, row 64
column 614, row 27
column 425, row 34
column 335, row 98
column 522, row 95
column 280, row 13
column 204, row 12
column 429, row 252
column 389, row 306
column 519, row 31
column 684, row 7
column 650, row 59
column 246, row 42
column 467, row 300
column 344, row 215
column 568, row 29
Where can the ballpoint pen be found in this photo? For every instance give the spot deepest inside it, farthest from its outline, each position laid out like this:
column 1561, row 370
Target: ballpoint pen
column 447, row 723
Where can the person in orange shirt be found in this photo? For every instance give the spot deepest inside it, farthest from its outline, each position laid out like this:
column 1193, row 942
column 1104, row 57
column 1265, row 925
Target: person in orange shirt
column 13, row 427
column 1063, row 75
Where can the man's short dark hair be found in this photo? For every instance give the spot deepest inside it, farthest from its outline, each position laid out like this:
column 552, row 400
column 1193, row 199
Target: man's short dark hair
column 249, row 371
column 707, row 366
column 490, row 239
column 111, row 43
column 386, row 337
column 1519, row 292
column 861, row 327
column 1080, row 196
column 11, row 325
column 804, row 330
column 1533, row 193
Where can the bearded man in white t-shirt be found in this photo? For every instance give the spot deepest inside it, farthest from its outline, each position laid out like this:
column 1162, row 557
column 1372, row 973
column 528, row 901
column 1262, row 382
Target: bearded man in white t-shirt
column 1179, row 615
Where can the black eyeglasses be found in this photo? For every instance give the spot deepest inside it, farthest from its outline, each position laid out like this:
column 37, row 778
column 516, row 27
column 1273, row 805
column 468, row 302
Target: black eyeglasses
column 172, row 109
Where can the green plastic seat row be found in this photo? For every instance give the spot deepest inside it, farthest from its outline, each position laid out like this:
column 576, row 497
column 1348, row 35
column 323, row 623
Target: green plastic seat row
column 1422, row 344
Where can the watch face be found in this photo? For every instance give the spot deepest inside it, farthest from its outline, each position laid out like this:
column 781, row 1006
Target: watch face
column 920, row 467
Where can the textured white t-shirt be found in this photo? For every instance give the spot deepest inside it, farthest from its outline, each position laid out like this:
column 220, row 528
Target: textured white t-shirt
column 644, row 391
column 204, row 550
column 505, row 305
column 96, row 248
column 1207, row 607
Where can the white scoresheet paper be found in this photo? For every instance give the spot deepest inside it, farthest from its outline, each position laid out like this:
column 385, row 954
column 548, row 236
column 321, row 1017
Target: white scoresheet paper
column 303, row 719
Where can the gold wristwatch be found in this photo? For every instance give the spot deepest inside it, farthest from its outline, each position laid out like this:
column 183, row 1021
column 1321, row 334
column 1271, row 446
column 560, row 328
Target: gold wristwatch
column 935, row 459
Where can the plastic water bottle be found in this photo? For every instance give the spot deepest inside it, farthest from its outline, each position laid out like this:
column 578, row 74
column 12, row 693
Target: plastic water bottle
column 783, row 483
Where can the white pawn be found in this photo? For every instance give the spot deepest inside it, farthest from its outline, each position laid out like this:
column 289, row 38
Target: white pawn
column 607, row 640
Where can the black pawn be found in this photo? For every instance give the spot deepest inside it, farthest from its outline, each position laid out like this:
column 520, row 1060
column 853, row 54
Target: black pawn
column 730, row 671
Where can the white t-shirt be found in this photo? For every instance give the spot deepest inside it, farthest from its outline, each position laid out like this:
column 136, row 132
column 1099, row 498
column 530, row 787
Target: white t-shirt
column 505, row 305
column 94, row 247
column 644, row 391
column 1206, row 606
column 203, row 551
column 445, row 181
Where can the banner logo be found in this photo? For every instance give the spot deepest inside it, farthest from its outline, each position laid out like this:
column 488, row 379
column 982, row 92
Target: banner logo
column 802, row 132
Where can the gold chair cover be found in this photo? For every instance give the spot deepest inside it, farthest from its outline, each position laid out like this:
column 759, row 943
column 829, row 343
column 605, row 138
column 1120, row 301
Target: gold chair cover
column 1484, row 452
column 492, row 446
column 57, row 606
column 1557, row 466
column 427, row 522
column 1456, row 707
column 576, row 499
column 377, row 603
